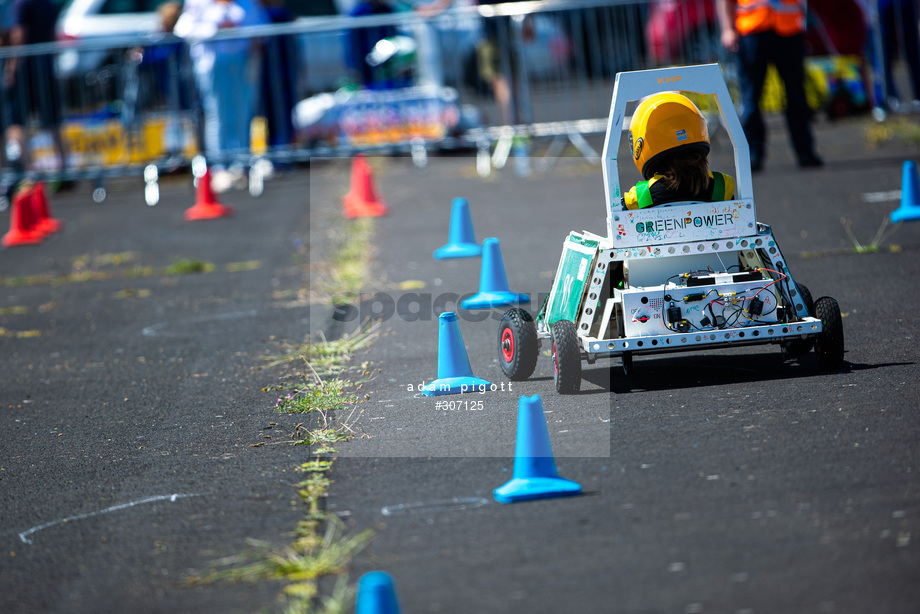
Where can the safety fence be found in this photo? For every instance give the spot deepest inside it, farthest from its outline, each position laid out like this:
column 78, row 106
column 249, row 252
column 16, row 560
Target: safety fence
column 491, row 78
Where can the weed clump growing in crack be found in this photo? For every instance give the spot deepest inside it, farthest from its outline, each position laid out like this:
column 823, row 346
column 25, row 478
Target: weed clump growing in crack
column 323, row 396
column 316, row 553
column 874, row 245
column 327, row 390
column 187, row 266
column 340, row 279
column 325, row 402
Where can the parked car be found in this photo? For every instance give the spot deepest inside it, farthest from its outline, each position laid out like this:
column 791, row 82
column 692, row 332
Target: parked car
column 87, row 20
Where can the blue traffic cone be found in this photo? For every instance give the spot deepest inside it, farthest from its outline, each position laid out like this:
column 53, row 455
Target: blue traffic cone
column 455, row 376
column 461, row 241
column 493, row 283
column 535, row 475
column 376, row 594
column 910, row 195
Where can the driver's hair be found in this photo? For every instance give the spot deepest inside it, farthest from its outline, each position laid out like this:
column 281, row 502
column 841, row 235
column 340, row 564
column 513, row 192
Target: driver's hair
column 686, row 171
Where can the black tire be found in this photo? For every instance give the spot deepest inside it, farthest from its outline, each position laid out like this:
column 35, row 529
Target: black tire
column 799, row 347
column 829, row 342
column 517, row 344
column 566, row 357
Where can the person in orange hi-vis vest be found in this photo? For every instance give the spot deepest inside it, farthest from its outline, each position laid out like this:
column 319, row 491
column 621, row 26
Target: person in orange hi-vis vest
column 759, row 33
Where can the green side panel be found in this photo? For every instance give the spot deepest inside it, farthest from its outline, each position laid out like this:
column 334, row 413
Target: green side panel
column 572, row 277
column 579, row 240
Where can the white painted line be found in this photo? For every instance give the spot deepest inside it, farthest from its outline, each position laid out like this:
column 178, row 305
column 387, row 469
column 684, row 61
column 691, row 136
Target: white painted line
column 155, row 329
column 23, row 536
column 449, row 505
column 881, row 197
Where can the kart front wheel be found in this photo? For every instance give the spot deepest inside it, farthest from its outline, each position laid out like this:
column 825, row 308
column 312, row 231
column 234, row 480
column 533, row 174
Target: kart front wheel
column 566, row 357
column 517, row 344
column 829, row 342
column 799, row 347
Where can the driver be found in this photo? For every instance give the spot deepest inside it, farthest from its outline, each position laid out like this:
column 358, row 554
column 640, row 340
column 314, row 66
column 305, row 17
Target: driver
column 669, row 140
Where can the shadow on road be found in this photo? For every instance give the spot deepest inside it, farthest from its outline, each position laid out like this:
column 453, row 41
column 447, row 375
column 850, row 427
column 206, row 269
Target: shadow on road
column 657, row 374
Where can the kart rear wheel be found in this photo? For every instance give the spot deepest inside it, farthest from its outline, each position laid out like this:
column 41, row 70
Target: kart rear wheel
column 517, row 344
column 799, row 347
column 566, row 357
column 829, row 342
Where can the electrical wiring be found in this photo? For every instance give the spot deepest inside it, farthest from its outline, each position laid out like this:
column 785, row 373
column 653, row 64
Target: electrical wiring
column 691, row 324
column 788, row 294
column 775, row 281
column 724, row 311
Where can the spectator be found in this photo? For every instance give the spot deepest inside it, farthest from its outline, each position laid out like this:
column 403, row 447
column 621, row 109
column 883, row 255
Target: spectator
column 165, row 59
column 899, row 23
column 225, row 76
column 428, row 64
column 7, row 21
column 760, row 33
column 498, row 72
column 164, row 65
column 430, row 60
column 29, row 83
column 279, row 77
column 361, row 41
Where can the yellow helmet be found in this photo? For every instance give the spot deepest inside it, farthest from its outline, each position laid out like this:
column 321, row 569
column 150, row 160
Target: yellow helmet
column 665, row 123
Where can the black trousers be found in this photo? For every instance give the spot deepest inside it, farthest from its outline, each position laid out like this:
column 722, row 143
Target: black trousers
column 787, row 54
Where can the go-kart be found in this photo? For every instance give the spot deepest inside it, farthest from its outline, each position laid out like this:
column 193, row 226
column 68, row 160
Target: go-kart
column 678, row 277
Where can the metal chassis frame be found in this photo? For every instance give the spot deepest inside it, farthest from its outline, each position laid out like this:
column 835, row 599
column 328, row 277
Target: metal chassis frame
column 595, row 313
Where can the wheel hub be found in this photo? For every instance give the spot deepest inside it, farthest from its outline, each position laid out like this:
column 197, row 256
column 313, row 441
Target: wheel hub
column 507, row 345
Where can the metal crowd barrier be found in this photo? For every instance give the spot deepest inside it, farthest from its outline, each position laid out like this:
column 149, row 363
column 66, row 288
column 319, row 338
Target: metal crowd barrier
column 133, row 107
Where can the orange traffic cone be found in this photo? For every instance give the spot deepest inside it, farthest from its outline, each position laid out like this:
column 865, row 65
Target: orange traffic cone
column 206, row 206
column 42, row 210
column 23, row 230
column 361, row 200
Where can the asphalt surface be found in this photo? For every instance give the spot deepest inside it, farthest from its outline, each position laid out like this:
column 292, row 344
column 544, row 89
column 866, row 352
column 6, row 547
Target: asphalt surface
column 147, row 386
column 720, row 481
